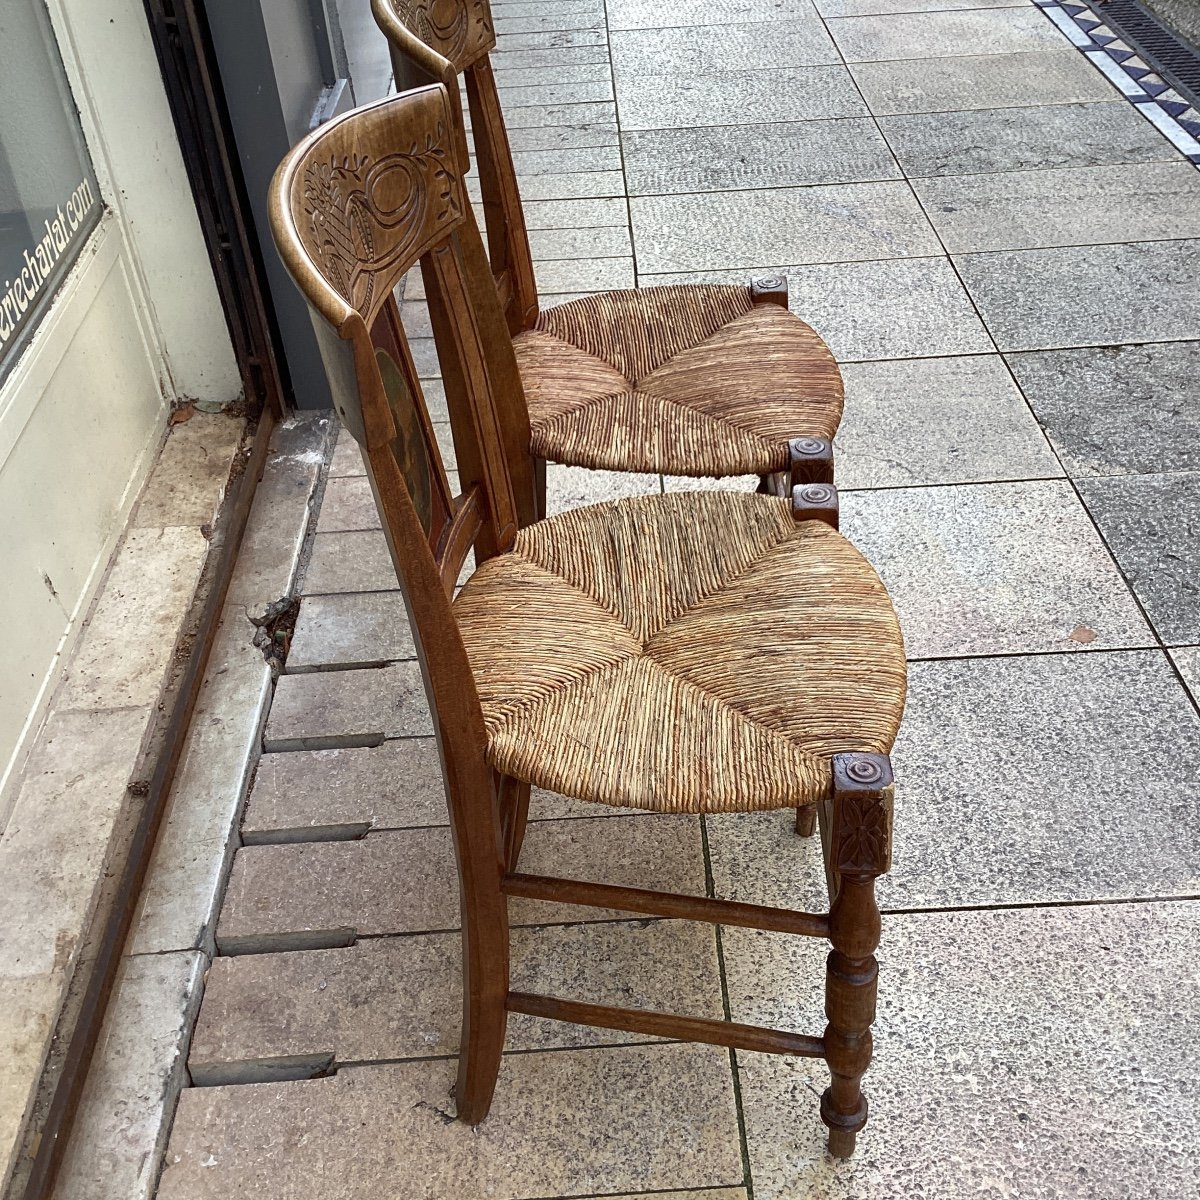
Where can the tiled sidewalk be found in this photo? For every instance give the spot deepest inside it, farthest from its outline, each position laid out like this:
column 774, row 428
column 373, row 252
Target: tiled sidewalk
column 999, row 249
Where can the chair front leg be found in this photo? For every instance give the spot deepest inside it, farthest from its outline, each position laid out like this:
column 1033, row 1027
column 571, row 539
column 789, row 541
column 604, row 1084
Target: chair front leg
column 859, row 850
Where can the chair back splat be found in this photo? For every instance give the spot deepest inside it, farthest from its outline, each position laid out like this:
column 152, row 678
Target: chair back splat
column 445, row 39
column 353, row 208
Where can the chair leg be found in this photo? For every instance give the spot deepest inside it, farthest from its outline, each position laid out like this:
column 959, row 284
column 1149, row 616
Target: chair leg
column 517, row 808
column 806, row 820
column 859, row 851
column 539, row 484
column 485, row 968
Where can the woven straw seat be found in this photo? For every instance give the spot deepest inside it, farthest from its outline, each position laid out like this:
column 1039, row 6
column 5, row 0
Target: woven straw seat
column 726, row 650
column 687, row 380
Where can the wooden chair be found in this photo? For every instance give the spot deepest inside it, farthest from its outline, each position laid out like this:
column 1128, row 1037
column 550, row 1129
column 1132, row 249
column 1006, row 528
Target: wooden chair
column 700, row 380
column 696, row 652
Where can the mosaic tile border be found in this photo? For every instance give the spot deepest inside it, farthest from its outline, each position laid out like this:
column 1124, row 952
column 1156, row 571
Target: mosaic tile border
column 1158, row 102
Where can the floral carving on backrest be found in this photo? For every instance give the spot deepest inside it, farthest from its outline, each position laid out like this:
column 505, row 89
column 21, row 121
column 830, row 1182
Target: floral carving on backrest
column 459, row 30
column 367, row 216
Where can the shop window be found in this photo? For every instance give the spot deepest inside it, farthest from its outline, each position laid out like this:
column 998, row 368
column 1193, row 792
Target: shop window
column 49, row 200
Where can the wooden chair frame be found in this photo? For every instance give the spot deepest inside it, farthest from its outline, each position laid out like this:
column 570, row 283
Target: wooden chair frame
column 353, row 207
column 443, row 52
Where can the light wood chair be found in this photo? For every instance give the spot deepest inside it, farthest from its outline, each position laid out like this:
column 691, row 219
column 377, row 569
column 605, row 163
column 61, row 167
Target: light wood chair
column 699, row 652
column 699, row 380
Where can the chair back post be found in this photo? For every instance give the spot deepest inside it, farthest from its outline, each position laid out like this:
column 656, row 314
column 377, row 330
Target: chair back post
column 353, row 208
column 445, row 39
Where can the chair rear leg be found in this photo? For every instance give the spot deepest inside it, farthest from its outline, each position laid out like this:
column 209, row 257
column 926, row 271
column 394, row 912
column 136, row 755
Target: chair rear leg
column 806, row 820
column 859, row 851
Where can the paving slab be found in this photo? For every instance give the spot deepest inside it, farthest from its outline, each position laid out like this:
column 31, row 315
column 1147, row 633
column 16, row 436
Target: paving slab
column 1087, row 296
column 1008, row 771
column 592, row 274
column 923, row 85
column 572, row 1122
column 891, row 308
column 347, row 458
column 564, row 137
column 1187, row 662
column 349, row 562
column 323, row 795
column 1152, row 524
column 560, row 160
column 541, row 116
column 188, row 480
column 558, row 40
column 279, row 515
column 1024, row 139
column 590, row 69
column 575, row 487
column 400, row 997
column 740, row 157
column 567, row 57
column 28, row 1008
column 1117, row 410
column 320, row 894
column 566, row 17
column 574, row 214
column 362, row 629
column 1035, row 1036
column 800, row 42
column 349, row 502
column 877, row 8
column 132, row 629
column 1021, row 209
column 732, row 97
column 326, row 709
column 995, row 568
column 581, row 185
column 558, row 92
column 833, row 223
column 574, row 245
column 938, row 34
column 937, row 420
column 178, row 905
column 646, row 14
column 137, row 1073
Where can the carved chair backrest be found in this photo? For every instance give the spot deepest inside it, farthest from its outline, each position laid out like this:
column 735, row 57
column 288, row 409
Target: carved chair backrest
column 445, row 39
column 353, row 207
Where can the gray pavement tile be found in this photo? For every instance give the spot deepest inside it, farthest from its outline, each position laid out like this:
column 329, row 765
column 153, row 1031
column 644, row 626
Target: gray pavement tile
column 1152, row 524
column 324, row 709
column 937, row 420
column 648, row 14
column 348, row 503
column 879, row 8
column 590, row 274
column 363, row 629
column 833, row 223
column 938, row 34
column 699, row 50
column 552, row 20
column 898, row 308
column 734, row 157
column 556, row 40
column 1117, row 410
column 569, row 187
column 574, row 214
column 567, row 160
column 346, row 459
column 563, row 137
column 537, row 94
column 550, row 57
column 547, row 115
column 997, row 568
column 1007, row 771
column 572, row 1122
column 922, row 85
column 349, row 562
column 400, row 997
column 1019, row 210
column 1187, row 662
column 314, row 894
column 593, row 69
column 575, row 487
column 738, row 97
column 1087, row 296
column 1018, row 139
column 1034, row 1038
column 327, row 795
column 580, row 245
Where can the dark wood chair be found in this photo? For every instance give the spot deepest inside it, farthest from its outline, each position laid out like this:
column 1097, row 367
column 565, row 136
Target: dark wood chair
column 700, row 380
column 697, row 652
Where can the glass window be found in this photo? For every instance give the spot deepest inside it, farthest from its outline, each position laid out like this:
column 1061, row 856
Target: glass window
column 49, row 200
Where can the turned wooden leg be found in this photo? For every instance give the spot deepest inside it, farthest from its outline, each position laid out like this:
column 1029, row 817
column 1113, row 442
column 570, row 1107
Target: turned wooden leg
column 514, row 807
column 485, row 966
column 806, row 820
column 860, row 838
